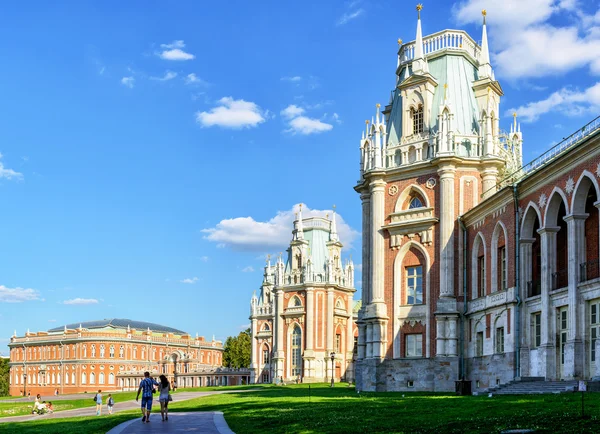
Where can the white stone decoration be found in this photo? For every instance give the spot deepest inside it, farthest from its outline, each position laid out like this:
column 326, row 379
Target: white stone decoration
column 431, row 182
column 542, row 200
column 570, row 185
column 393, row 190
column 598, row 170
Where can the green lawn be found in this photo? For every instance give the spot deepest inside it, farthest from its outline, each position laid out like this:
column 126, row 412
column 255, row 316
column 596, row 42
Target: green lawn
column 288, row 410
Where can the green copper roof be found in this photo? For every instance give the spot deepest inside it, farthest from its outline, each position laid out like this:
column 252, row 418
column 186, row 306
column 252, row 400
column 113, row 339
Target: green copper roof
column 459, row 74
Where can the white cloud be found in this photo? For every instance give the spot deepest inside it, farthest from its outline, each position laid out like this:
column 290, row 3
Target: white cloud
column 189, row 280
column 293, row 79
column 204, row 258
column 128, row 81
column 306, row 125
column 248, row 269
column 194, row 79
column 173, row 51
column 169, row 75
column 247, row 234
column 568, row 101
column 336, row 118
column 232, row 113
column 291, row 111
column 349, row 16
column 299, row 124
column 17, row 295
column 51, row 320
column 537, row 46
column 8, row 173
column 81, row 301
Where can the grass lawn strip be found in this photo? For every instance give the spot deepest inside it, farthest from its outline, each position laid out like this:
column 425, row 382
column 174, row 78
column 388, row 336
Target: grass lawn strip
column 288, row 410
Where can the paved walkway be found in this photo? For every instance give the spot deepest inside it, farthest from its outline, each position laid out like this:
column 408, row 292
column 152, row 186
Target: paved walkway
column 205, row 422
column 119, row 406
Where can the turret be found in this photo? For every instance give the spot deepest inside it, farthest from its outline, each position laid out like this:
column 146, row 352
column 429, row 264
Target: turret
column 333, row 236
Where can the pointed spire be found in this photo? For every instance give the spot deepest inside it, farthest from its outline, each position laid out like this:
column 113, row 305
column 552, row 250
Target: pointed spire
column 377, row 106
column 65, row 329
column 333, row 233
column 269, row 261
column 300, row 232
column 15, row 333
column 419, row 65
column 485, row 69
column 367, row 127
column 128, row 328
column 514, row 121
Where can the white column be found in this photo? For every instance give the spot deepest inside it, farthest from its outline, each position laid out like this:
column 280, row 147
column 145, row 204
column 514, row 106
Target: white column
column 548, row 253
column 447, row 218
column 310, row 333
column 574, row 353
column 255, row 361
column 377, row 241
column 278, row 330
column 366, row 248
column 489, row 179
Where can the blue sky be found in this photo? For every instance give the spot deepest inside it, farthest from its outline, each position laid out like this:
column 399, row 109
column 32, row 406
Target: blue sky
column 153, row 152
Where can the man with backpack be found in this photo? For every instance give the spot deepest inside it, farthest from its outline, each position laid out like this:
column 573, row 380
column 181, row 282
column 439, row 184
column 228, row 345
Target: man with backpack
column 147, row 387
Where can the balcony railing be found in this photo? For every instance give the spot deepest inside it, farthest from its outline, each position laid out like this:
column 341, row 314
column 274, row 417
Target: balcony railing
column 560, row 279
column 534, row 287
column 589, row 270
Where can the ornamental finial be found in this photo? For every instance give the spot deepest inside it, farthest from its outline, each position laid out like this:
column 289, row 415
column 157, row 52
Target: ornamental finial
column 419, row 8
column 367, row 122
column 377, row 105
column 399, row 41
column 484, row 13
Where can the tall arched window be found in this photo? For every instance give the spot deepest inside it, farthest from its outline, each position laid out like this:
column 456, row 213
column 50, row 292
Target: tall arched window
column 101, row 378
column 58, row 378
column 112, row 351
column 93, row 350
column 92, row 378
column 414, row 285
column 111, row 378
column 121, row 351
column 102, row 350
column 73, row 378
column 296, row 302
column 296, row 351
column 417, row 117
column 83, row 378
column 265, row 354
column 415, row 202
column 135, row 352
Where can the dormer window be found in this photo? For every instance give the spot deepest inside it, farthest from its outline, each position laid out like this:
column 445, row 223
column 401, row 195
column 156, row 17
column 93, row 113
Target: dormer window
column 417, row 117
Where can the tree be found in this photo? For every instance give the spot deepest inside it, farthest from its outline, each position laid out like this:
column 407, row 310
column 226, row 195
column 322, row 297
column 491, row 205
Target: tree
column 4, row 377
column 236, row 353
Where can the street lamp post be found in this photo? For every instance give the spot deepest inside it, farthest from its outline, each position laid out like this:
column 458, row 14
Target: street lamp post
column 332, row 366
column 24, row 384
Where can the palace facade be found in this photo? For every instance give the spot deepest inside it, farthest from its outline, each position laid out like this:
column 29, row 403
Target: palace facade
column 302, row 324
column 112, row 355
column 475, row 266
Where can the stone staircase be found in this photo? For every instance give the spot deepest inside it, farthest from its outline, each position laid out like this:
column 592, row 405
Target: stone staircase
column 533, row 385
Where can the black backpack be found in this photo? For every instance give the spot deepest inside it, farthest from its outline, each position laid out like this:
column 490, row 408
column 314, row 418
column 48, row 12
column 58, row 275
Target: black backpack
column 95, row 396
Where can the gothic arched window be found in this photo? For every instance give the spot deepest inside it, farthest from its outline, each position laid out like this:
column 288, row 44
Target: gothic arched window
column 415, row 202
column 417, row 117
column 296, row 351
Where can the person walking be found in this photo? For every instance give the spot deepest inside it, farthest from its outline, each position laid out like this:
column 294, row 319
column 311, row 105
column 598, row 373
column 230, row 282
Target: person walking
column 98, row 403
column 164, row 396
column 147, row 386
column 110, row 402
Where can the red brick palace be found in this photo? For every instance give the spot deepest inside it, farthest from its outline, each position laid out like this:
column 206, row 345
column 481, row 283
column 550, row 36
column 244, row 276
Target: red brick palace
column 111, row 355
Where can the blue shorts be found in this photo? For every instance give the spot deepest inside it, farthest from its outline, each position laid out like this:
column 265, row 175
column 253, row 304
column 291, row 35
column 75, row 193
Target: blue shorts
column 147, row 402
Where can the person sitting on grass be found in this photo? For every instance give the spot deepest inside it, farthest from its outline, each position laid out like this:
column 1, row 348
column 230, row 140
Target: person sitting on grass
column 50, row 407
column 39, row 407
column 147, row 385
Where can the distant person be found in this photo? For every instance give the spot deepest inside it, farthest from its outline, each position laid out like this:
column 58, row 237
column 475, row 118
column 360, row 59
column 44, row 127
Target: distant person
column 38, row 399
column 174, row 385
column 163, row 398
column 56, row 392
column 147, row 389
column 110, row 402
column 98, row 400
column 50, row 407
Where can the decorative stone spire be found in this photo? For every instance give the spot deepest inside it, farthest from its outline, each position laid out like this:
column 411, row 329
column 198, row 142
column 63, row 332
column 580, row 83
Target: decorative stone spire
column 419, row 66
column 300, row 231
column 485, row 69
column 15, row 334
column 65, row 331
column 128, row 328
column 333, row 236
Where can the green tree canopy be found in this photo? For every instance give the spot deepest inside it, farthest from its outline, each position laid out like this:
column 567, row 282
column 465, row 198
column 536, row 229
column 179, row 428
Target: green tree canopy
column 237, row 350
column 4, row 377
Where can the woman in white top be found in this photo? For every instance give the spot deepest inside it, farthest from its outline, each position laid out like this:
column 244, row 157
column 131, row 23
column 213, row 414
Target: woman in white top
column 163, row 398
